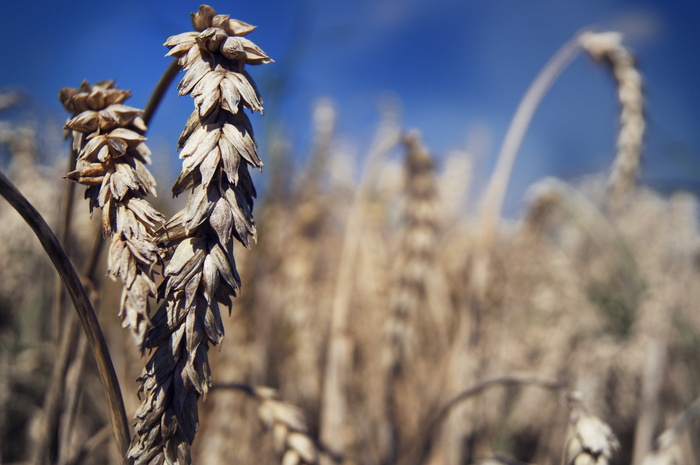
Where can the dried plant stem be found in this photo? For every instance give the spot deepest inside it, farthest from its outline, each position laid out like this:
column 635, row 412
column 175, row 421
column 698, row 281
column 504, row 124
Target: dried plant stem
column 58, row 313
column 69, row 345
column 657, row 359
column 469, row 324
column 158, row 93
column 498, row 183
column 54, row 395
column 432, row 424
column 73, row 387
column 73, row 391
column 91, row 445
column 82, row 305
column 649, row 408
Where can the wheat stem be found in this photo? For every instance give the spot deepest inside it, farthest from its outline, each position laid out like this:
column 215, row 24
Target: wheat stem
column 498, row 184
column 423, row 445
column 82, row 305
column 65, row 238
column 45, row 442
column 157, row 96
column 73, row 390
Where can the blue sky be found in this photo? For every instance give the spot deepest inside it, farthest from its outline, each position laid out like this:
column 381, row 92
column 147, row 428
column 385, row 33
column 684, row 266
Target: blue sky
column 457, row 67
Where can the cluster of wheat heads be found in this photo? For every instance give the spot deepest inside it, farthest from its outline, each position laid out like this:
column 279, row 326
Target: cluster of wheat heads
column 398, row 324
column 195, row 247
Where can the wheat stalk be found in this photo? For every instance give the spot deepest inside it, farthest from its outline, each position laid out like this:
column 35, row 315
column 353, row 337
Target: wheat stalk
column 217, row 146
column 338, row 366
column 82, row 305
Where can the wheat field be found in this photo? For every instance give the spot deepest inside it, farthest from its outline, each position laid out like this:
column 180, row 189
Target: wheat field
column 397, row 316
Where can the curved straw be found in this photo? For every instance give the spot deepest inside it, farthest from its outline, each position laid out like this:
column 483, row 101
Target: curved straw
column 82, row 305
column 496, row 190
column 158, row 93
column 421, row 448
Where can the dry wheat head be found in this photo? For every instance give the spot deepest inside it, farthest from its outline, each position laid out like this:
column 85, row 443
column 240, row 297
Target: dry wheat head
column 111, row 160
column 217, row 145
column 288, row 426
column 592, row 441
column 417, row 248
column 607, row 47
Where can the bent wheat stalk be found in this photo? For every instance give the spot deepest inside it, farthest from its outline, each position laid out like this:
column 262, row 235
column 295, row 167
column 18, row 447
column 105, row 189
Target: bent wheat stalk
column 436, row 417
column 498, row 183
column 217, row 147
column 82, row 305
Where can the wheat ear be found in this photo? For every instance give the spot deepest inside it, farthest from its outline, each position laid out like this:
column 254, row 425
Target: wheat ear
column 414, row 263
column 607, row 47
column 592, row 441
column 417, row 248
column 286, row 421
column 217, row 146
column 112, row 156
